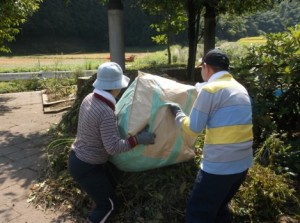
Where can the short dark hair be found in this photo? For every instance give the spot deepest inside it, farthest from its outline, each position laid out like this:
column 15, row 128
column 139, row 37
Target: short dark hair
column 216, row 58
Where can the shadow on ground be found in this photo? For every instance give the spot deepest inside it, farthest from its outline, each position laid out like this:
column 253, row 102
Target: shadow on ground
column 22, row 158
column 4, row 108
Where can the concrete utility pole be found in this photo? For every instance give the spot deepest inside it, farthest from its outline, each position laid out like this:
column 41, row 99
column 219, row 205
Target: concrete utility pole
column 116, row 32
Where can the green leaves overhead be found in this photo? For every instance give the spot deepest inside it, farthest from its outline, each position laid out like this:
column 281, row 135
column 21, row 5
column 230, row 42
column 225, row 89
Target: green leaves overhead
column 173, row 17
column 12, row 15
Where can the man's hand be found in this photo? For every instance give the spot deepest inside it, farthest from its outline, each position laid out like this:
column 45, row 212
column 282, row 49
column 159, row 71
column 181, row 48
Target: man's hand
column 174, row 109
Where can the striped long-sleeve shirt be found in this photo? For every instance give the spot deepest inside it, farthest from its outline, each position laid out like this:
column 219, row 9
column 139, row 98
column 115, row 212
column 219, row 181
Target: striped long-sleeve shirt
column 97, row 133
column 223, row 107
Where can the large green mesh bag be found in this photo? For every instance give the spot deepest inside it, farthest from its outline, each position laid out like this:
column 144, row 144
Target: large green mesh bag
column 144, row 102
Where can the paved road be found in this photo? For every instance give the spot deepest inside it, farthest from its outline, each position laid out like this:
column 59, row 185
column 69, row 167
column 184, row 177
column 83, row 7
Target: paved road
column 23, row 138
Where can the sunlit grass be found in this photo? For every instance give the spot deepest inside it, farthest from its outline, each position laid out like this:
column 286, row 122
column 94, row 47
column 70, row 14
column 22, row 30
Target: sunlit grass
column 59, row 62
column 51, row 62
column 253, row 40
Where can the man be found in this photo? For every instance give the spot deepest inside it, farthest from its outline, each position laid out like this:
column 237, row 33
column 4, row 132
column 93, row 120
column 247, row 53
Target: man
column 223, row 108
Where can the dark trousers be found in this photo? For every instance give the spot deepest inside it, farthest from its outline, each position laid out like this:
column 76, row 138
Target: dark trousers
column 98, row 183
column 210, row 197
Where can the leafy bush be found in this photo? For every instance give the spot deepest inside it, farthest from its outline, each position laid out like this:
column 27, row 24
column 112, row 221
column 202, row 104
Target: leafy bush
column 264, row 196
column 282, row 158
column 271, row 74
column 37, row 83
column 20, row 85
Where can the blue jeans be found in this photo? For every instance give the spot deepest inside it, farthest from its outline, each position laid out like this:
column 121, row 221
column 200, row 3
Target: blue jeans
column 98, row 183
column 210, row 197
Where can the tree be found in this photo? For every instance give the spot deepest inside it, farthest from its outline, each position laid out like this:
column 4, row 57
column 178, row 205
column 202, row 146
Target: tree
column 193, row 9
column 231, row 7
column 214, row 8
column 232, row 30
column 173, row 20
column 12, row 15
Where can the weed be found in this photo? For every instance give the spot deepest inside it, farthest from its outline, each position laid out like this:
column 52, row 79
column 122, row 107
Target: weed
column 264, row 196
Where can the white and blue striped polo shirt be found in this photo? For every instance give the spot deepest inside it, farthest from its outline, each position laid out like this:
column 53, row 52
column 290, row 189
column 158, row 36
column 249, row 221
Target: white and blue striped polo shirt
column 223, row 108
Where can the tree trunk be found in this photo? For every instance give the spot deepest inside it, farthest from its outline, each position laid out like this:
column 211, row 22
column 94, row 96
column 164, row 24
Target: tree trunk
column 193, row 11
column 192, row 38
column 169, row 52
column 169, row 41
column 209, row 28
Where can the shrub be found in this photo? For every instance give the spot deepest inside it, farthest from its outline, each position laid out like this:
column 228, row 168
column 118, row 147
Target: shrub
column 279, row 156
column 264, row 196
column 271, row 74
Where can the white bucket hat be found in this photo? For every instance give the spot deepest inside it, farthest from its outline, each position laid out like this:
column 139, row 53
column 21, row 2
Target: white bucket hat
column 110, row 76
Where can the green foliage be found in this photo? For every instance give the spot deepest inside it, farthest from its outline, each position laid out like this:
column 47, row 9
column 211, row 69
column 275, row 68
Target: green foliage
column 234, row 50
column 264, row 196
column 160, row 195
column 12, row 15
column 156, row 59
column 248, row 6
column 271, row 74
column 173, row 19
column 149, row 196
column 252, row 40
column 233, row 27
column 61, row 86
column 57, row 153
column 19, row 86
column 57, row 27
column 280, row 157
column 156, row 195
column 58, row 189
column 159, row 39
column 68, row 124
column 179, row 54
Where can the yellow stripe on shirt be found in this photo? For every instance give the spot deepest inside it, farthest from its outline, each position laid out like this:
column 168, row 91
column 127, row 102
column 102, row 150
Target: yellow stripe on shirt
column 229, row 134
column 185, row 125
column 225, row 81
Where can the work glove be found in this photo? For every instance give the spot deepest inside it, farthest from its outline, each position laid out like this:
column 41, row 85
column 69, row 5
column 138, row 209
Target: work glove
column 174, row 109
column 145, row 137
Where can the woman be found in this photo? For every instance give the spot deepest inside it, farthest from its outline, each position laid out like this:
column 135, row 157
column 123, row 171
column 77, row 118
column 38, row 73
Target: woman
column 98, row 138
